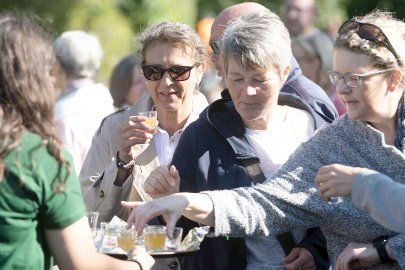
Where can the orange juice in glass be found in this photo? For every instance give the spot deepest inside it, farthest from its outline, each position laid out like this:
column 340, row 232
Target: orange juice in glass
column 126, row 239
column 155, row 237
column 151, row 119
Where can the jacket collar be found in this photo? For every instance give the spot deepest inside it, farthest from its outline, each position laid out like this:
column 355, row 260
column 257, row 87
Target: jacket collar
column 223, row 117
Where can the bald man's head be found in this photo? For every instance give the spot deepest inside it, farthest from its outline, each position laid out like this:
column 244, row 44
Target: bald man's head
column 222, row 21
column 229, row 13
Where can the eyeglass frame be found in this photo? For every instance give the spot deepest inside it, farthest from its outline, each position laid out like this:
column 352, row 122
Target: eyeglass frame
column 215, row 46
column 169, row 70
column 359, row 77
column 385, row 41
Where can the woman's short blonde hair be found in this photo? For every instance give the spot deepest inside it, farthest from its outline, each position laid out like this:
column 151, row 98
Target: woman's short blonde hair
column 176, row 33
column 257, row 40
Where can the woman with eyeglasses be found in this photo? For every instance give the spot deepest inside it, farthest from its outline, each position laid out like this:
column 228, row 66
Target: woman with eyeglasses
column 368, row 69
column 125, row 150
column 43, row 217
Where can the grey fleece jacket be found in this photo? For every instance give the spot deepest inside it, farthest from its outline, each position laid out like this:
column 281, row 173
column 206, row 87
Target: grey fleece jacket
column 291, row 200
column 381, row 197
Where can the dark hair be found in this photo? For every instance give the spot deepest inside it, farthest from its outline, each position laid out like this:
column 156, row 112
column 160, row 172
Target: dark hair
column 27, row 96
column 121, row 79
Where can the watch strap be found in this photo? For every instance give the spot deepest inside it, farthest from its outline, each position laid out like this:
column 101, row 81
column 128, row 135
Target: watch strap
column 121, row 164
column 379, row 244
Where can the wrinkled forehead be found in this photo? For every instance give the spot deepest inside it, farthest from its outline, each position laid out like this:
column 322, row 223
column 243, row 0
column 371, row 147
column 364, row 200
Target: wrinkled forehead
column 181, row 49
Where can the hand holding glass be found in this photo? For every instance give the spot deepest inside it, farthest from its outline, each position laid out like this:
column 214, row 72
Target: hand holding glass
column 174, row 243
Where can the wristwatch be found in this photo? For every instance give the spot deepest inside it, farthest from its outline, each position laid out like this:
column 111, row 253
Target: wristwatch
column 121, row 164
column 379, row 244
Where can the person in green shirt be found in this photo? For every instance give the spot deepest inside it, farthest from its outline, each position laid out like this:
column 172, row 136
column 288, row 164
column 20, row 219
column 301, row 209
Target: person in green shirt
column 42, row 213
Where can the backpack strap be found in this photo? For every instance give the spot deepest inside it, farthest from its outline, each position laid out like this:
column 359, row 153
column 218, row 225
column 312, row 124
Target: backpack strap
column 252, row 166
column 286, row 241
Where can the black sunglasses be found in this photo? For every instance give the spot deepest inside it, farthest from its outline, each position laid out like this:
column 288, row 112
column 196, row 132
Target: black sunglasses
column 215, row 46
column 369, row 32
column 177, row 73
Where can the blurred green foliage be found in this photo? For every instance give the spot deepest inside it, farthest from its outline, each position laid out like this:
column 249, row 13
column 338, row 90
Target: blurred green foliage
column 116, row 22
column 363, row 7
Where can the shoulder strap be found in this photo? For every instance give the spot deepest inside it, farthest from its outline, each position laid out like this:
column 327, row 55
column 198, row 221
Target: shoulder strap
column 252, row 166
column 286, row 241
column 257, row 176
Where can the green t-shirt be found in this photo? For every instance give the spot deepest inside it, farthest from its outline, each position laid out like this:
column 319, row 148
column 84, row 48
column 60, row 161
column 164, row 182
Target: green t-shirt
column 29, row 204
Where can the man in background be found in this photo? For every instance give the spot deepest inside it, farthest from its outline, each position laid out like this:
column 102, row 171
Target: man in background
column 300, row 17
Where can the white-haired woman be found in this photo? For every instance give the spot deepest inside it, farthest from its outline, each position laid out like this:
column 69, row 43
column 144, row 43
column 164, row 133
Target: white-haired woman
column 83, row 102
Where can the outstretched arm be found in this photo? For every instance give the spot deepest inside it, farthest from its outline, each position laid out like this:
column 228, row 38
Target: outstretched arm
column 371, row 191
column 381, row 197
column 195, row 206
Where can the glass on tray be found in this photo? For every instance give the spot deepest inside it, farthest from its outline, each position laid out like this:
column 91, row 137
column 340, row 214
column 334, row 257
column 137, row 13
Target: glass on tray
column 110, row 236
column 174, row 244
column 126, row 239
column 98, row 236
column 92, row 217
column 155, row 237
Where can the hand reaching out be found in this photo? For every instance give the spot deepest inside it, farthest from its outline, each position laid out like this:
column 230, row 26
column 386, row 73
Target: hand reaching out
column 162, row 181
column 170, row 207
column 335, row 180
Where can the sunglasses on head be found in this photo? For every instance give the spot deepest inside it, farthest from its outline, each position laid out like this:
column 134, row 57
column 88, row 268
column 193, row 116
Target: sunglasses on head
column 177, row 73
column 215, row 46
column 369, row 32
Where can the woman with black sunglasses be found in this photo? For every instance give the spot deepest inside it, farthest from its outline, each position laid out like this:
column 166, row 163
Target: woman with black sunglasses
column 370, row 79
column 125, row 150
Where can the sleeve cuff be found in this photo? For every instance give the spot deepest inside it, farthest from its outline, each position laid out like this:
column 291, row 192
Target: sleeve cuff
column 360, row 180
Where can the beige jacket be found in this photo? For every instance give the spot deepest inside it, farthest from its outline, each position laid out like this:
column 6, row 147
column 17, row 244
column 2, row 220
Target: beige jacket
column 99, row 169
